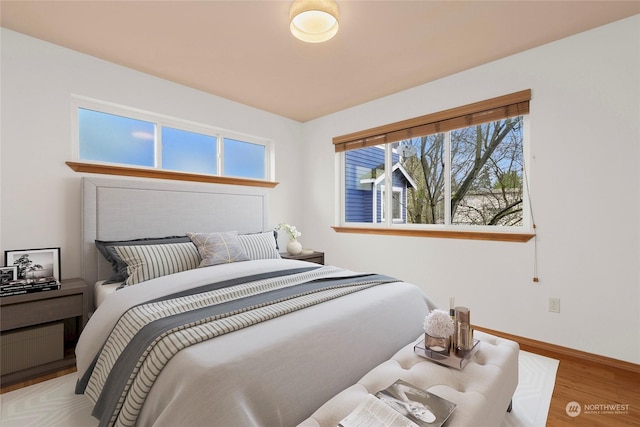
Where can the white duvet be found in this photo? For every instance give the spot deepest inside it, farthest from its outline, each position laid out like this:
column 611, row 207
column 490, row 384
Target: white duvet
column 275, row 373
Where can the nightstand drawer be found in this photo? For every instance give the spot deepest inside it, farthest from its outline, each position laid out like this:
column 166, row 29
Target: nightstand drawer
column 315, row 256
column 317, row 259
column 41, row 311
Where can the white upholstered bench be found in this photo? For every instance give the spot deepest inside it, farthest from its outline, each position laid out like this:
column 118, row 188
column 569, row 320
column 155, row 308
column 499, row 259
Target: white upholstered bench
column 482, row 390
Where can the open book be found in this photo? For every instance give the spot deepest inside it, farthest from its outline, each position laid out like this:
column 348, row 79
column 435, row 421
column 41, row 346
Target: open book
column 400, row 405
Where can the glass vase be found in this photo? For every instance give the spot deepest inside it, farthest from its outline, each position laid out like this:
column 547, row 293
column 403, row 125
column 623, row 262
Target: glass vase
column 437, row 344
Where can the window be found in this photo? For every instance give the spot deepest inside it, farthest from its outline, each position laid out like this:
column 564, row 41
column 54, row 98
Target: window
column 244, row 159
column 397, row 204
column 462, row 169
column 364, row 173
column 114, row 135
column 115, row 139
column 189, row 151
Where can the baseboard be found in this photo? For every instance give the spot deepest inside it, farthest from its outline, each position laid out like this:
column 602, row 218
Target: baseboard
column 550, row 350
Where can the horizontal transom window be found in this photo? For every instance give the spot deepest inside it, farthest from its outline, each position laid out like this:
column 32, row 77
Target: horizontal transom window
column 122, row 136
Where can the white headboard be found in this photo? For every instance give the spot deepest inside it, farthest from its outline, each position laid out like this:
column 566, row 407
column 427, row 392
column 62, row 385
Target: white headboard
column 116, row 209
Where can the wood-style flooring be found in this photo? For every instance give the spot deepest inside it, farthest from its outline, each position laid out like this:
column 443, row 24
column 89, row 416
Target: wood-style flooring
column 594, row 386
column 587, row 383
column 16, row 386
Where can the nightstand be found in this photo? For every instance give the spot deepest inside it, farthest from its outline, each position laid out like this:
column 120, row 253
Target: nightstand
column 39, row 330
column 317, row 257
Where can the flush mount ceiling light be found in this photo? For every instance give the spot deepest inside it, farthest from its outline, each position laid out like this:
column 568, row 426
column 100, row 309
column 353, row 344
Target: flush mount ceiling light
column 313, row 21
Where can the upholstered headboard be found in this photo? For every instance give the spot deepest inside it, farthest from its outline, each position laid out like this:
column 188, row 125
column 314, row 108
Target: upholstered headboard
column 116, row 209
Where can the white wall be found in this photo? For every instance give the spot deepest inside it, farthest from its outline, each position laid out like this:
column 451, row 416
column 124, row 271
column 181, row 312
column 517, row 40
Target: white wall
column 41, row 195
column 585, row 141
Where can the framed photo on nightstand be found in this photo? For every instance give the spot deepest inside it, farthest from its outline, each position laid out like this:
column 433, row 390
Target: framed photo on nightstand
column 7, row 274
column 33, row 264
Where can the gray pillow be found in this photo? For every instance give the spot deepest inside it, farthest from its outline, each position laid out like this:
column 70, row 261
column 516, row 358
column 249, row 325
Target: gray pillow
column 218, row 248
column 119, row 266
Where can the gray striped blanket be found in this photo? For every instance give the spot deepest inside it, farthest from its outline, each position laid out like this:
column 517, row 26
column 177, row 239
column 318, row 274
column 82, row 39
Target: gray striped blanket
column 147, row 336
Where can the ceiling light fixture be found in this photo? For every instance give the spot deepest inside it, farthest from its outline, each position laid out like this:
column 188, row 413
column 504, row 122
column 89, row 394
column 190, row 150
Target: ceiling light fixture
column 313, row 21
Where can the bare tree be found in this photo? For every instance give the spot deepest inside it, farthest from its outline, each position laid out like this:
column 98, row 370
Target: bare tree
column 486, row 170
column 425, row 201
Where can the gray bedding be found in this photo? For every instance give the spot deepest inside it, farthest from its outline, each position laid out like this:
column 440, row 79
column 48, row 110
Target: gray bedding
column 272, row 373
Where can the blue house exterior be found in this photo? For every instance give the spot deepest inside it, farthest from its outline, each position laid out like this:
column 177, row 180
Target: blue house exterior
column 364, row 186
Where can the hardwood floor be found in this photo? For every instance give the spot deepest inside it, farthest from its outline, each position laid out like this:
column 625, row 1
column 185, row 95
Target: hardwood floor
column 588, row 383
column 590, row 380
column 593, row 385
column 16, row 386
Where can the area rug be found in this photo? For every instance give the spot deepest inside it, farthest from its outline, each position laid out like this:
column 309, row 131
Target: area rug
column 536, row 379
column 53, row 404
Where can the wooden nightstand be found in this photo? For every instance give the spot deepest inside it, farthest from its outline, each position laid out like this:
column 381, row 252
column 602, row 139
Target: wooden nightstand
column 63, row 312
column 317, row 257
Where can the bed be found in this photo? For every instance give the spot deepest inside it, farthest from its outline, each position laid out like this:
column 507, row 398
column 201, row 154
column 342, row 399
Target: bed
column 278, row 362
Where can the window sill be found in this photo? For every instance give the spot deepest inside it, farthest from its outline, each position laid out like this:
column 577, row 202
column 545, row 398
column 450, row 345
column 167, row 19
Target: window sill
column 442, row 234
column 160, row 174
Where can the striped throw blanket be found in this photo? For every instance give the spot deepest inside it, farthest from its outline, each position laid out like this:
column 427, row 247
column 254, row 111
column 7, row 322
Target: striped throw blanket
column 147, row 336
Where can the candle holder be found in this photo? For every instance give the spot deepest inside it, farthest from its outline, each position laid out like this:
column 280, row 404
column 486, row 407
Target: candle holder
column 437, row 344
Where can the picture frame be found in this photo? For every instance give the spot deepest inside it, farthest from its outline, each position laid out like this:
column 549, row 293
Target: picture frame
column 33, row 264
column 8, row 274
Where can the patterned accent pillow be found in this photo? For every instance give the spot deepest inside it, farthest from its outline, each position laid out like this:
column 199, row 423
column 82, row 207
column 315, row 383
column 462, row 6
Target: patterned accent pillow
column 146, row 262
column 218, row 248
column 260, row 245
column 120, row 267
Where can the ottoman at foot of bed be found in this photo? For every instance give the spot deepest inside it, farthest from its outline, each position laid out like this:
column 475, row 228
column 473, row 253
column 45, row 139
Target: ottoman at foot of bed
column 482, row 390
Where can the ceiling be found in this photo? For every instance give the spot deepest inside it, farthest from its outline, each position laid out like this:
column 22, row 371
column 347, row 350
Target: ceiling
column 243, row 51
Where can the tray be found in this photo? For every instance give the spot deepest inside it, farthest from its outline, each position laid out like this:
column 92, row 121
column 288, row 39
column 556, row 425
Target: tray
column 457, row 360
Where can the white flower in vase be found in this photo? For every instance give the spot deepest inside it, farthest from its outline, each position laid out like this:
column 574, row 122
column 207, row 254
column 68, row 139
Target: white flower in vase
column 293, row 247
column 438, row 323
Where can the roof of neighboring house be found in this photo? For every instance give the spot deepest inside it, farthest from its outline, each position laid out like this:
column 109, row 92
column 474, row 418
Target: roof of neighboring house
column 377, row 180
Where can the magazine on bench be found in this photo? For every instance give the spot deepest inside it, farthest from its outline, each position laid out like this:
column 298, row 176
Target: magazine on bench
column 400, row 405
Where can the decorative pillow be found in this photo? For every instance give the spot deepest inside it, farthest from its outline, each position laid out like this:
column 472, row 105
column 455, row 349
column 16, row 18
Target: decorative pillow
column 120, row 267
column 260, row 245
column 146, row 262
column 218, row 248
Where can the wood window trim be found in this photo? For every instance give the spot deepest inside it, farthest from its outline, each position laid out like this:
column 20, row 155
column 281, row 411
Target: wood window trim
column 442, row 234
column 513, row 104
column 162, row 174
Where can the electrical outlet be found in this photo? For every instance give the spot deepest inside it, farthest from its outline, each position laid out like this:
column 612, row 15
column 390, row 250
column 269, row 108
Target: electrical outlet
column 554, row 305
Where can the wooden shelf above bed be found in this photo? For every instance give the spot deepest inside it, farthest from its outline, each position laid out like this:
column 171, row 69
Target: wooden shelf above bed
column 162, row 174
